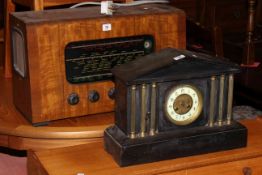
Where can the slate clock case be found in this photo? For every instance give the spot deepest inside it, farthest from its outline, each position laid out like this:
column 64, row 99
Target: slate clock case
column 172, row 104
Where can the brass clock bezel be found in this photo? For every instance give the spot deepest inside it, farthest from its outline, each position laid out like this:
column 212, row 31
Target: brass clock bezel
column 195, row 115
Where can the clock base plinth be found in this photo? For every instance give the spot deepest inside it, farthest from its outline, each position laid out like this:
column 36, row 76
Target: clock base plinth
column 173, row 144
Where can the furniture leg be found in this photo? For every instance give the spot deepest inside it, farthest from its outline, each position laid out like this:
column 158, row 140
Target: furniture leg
column 249, row 52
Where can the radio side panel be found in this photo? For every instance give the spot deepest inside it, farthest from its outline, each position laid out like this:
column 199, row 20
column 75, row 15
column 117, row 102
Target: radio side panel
column 21, row 85
column 45, row 73
column 173, row 30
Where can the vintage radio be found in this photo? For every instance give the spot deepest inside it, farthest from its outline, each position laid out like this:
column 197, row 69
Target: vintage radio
column 62, row 58
column 176, row 103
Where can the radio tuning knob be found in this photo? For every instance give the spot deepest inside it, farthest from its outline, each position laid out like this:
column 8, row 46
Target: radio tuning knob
column 93, row 96
column 73, row 99
column 111, row 93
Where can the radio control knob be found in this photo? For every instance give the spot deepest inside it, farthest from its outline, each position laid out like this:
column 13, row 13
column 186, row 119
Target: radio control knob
column 93, row 96
column 111, row 93
column 73, row 99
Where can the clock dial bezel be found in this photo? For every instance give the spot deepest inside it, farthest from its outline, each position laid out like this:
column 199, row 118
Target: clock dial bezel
column 194, row 113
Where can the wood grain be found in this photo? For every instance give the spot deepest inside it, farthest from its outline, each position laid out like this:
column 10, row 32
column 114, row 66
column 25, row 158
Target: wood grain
column 175, row 173
column 46, row 87
column 36, row 144
column 35, row 167
column 17, row 133
column 1, row 47
column 9, row 8
column 4, row 140
column 35, row 5
column 75, row 159
column 230, row 168
column 42, row 95
column 54, row 132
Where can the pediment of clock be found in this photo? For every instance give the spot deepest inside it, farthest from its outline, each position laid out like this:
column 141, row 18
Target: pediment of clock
column 172, row 64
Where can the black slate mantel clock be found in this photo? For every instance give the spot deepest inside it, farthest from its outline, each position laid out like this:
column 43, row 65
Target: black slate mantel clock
column 172, row 104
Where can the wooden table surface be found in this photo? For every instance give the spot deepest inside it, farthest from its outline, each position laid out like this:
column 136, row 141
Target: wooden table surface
column 91, row 159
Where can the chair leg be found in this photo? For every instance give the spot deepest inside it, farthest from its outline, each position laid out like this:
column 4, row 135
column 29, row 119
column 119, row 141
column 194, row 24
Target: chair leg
column 249, row 52
column 9, row 7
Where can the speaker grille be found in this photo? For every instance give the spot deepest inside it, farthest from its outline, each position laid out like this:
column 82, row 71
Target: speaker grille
column 18, row 51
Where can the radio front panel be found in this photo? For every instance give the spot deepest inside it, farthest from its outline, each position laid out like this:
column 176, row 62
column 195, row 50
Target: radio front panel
column 91, row 61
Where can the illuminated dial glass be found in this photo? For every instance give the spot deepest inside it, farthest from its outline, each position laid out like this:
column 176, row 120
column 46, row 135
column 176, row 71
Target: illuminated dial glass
column 183, row 104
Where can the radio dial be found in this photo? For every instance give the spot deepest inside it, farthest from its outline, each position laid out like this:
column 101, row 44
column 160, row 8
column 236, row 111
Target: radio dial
column 148, row 44
column 93, row 96
column 111, row 93
column 73, row 99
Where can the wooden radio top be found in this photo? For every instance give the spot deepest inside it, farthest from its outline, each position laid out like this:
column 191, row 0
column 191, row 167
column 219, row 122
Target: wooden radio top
column 58, row 15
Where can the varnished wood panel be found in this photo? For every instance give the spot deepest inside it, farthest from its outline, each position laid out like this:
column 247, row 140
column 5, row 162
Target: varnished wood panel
column 17, row 133
column 22, row 95
column 168, row 30
column 8, row 113
column 4, row 140
column 8, row 7
column 231, row 168
column 98, row 162
column 44, row 69
column 21, row 143
column 184, row 172
column 28, row 3
column 34, row 165
column 35, row 5
column 1, row 47
column 1, row 54
column 45, row 87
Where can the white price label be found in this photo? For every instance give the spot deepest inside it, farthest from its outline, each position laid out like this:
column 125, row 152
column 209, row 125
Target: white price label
column 80, row 174
column 179, row 57
column 106, row 27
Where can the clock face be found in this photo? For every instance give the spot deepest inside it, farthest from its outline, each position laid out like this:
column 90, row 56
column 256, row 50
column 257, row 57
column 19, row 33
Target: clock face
column 183, row 104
